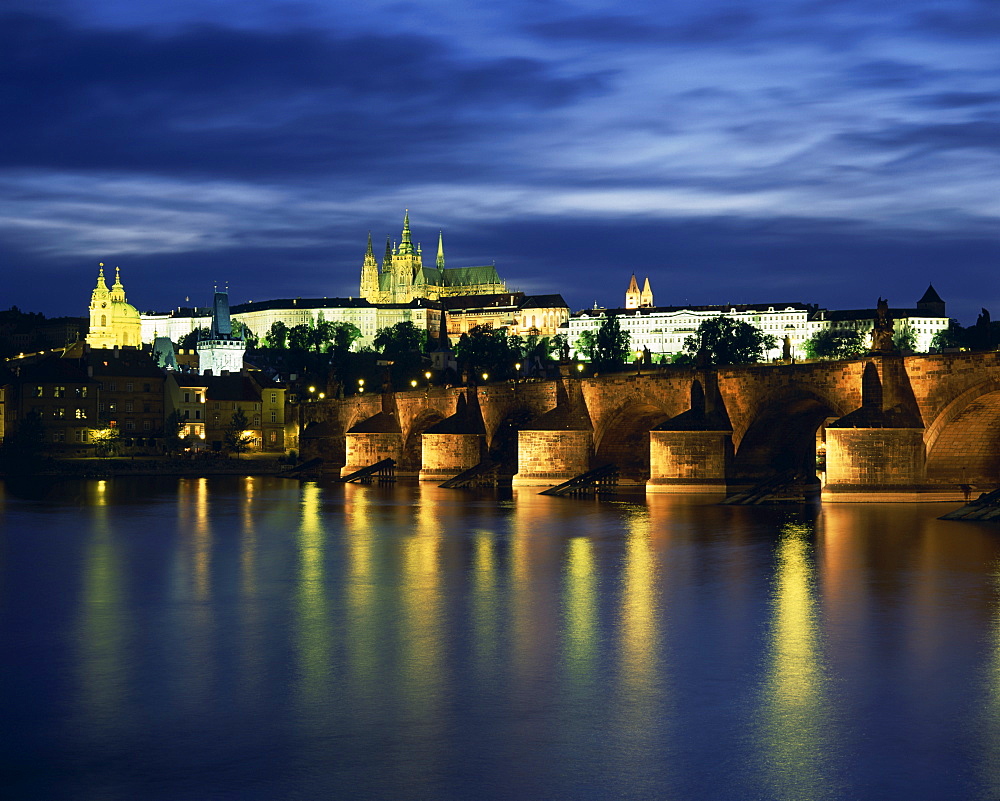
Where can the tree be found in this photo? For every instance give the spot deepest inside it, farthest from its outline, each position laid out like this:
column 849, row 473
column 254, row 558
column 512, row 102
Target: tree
column 905, row 338
column 954, row 336
column 394, row 341
column 343, row 335
column 236, row 437
column 172, row 428
column 107, row 441
column 607, row 347
column 485, row 349
column 241, row 329
column 835, row 343
column 190, row 339
column 723, row 340
column 276, row 336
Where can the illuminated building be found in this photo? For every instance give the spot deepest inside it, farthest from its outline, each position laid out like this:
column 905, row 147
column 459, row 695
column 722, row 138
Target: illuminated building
column 113, row 321
column 62, row 395
column 221, row 350
column 519, row 314
column 403, row 276
column 207, row 403
column 662, row 329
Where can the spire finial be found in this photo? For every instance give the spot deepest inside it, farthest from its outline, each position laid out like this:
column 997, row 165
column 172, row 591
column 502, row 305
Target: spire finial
column 440, row 253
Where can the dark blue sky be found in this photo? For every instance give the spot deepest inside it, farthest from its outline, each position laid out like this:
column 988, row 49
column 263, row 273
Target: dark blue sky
column 825, row 151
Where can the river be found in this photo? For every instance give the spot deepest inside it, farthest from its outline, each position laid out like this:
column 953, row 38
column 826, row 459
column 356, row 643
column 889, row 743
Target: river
column 257, row 638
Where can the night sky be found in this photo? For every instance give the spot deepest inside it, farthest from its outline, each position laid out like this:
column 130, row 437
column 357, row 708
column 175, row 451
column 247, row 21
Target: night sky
column 823, row 152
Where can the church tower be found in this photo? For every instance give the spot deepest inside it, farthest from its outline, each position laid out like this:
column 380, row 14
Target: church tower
column 632, row 294
column 369, row 274
column 113, row 321
column 406, row 262
column 646, row 296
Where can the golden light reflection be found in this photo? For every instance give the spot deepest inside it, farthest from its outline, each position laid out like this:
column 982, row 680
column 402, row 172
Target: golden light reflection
column 421, row 610
column 363, row 632
column 580, row 610
column 202, row 541
column 486, row 618
column 640, row 605
column 312, row 625
column 796, row 715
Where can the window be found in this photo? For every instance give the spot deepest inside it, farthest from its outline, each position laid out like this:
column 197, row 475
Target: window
column 59, row 392
column 39, row 391
column 274, row 397
column 197, row 414
column 81, row 414
column 130, row 425
column 256, row 421
column 145, row 387
column 128, row 406
column 60, row 412
column 112, row 407
column 274, row 417
column 81, row 392
column 147, row 425
column 187, row 397
column 273, row 436
column 128, row 387
column 112, row 387
column 81, row 435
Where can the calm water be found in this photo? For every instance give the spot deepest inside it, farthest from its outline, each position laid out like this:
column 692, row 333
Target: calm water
column 261, row 639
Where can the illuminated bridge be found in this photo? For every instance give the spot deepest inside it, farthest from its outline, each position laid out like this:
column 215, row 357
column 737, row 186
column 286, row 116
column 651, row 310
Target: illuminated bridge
column 890, row 427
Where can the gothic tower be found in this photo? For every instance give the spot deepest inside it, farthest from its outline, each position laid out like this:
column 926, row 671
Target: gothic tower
column 632, row 294
column 646, row 296
column 369, row 274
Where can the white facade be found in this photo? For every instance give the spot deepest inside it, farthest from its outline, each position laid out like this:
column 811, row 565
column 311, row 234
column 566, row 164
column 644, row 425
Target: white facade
column 663, row 330
column 369, row 319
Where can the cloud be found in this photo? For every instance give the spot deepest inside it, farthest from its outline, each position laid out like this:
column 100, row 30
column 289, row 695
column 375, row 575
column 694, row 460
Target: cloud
column 723, row 25
column 224, row 101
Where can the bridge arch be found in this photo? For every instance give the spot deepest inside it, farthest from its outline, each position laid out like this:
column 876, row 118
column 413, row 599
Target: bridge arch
column 623, row 438
column 412, row 438
column 781, row 434
column 963, row 442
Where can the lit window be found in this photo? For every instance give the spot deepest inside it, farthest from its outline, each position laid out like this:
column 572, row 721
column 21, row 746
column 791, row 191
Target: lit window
column 81, row 414
column 59, row 392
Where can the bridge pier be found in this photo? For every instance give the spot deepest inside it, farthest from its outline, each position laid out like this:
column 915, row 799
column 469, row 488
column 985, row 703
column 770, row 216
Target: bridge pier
column 445, row 455
column 874, row 464
column 372, row 440
column 689, row 461
column 548, row 458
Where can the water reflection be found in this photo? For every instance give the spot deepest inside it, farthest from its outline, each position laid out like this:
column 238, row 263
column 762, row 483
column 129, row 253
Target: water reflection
column 312, row 629
column 101, row 632
column 364, row 621
column 642, row 691
column 796, row 713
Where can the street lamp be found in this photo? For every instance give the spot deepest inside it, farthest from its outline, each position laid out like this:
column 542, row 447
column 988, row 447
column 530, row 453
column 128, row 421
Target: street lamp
column 361, row 386
column 413, row 383
column 486, row 377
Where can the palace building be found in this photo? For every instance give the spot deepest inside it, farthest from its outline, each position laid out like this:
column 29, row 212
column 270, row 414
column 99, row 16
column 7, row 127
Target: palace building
column 403, row 276
column 113, row 321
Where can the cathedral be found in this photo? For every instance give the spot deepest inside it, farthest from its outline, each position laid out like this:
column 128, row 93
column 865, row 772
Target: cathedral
column 113, row 322
column 404, row 278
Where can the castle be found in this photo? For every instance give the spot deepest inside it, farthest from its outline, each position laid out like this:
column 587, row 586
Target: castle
column 404, row 278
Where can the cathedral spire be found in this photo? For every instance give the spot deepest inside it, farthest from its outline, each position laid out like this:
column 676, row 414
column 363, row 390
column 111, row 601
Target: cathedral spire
column 632, row 294
column 440, row 256
column 369, row 253
column 387, row 259
column 101, row 285
column 117, row 290
column 406, row 244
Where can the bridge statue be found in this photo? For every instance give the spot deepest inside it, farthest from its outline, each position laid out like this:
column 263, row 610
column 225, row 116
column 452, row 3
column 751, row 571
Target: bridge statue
column 883, row 330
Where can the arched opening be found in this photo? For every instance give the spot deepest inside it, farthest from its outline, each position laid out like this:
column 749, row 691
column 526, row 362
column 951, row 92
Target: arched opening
column 503, row 444
column 412, row 448
column 967, row 447
column 625, row 440
column 782, row 440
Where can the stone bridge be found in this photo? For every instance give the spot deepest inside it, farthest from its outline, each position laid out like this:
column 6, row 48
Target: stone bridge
column 889, row 426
